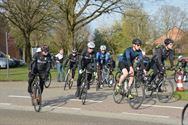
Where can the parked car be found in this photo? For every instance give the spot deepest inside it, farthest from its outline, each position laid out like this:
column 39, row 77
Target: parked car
column 13, row 62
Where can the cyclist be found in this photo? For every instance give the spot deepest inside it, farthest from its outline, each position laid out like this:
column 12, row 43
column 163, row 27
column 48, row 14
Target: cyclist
column 40, row 64
column 87, row 61
column 126, row 62
column 72, row 62
column 102, row 58
column 160, row 54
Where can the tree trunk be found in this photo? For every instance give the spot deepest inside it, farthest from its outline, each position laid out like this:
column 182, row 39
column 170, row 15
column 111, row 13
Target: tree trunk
column 27, row 49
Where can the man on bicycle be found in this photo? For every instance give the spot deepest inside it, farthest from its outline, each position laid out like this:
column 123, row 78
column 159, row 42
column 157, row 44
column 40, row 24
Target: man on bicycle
column 160, row 54
column 87, row 61
column 126, row 63
column 102, row 58
column 72, row 62
column 40, row 64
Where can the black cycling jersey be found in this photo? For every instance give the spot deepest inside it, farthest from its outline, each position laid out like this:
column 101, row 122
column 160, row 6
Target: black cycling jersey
column 87, row 59
column 161, row 54
column 40, row 63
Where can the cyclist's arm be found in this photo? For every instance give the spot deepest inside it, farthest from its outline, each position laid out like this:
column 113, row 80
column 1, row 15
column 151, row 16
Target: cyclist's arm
column 107, row 56
column 81, row 60
column 171, row 58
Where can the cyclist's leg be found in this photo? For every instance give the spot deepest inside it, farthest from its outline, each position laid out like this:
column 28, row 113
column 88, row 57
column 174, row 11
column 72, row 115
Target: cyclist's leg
column 78, row 85
column 73, row 71
column 124, row 73
column 31, row 78
column 42, row 76
column 89, row 77
column 58, row 71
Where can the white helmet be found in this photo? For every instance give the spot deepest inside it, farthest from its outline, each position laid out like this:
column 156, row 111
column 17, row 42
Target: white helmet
column 39, row 49
column 91, row 45
column 102, row 47
column 180, row 57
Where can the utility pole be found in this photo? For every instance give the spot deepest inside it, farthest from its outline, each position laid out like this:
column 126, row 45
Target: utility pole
column 6, row 40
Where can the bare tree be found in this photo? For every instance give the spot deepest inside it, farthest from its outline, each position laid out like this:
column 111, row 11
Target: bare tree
column 168, row 17
column 78, row 13
column 27, row 16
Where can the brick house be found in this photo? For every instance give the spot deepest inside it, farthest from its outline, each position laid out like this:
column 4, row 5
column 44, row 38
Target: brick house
column 12, row 49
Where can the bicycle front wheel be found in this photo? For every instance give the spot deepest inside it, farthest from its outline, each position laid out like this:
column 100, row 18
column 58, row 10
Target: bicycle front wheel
column 117, row 95
column 165, row 90
column 36, row 98
column 83, row 94
column 137, row 93
column 67, row 79
column 184, row 115
column 48, row 81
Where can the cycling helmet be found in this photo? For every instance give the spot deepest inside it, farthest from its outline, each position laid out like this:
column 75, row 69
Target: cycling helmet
column 38, row 50
column 102, row 47
column 168, row 41
column 74, row 52
column 137, row 41
column 45, row 48
column 180, row 57
column 91, row 45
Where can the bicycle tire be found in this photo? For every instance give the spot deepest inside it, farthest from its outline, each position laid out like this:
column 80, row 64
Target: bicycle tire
column 111, row 81
column 137, row 90
column 183, row 114
column 66, row 79
column 83, row 93
column 36, row 98
column 117, row 96
column 70, row 83
column 168, row 87
column 117, row 76
column 48, row 81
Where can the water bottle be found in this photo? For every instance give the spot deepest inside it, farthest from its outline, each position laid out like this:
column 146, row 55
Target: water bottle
column 125, row 84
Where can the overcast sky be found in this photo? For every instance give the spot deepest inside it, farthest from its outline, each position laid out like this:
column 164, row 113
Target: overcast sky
column 150, row 6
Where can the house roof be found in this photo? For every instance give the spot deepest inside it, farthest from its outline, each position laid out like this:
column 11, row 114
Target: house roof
column 175, row 34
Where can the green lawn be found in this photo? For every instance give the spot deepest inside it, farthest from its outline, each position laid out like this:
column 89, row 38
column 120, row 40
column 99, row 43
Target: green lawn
column 182, row 95
column 19, row 74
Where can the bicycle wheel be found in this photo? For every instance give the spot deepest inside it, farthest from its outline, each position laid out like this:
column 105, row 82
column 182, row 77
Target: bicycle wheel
column 184, row 115
column 117, row 76
column 117, row 95
column 67, row 77
column 48, row 81
column 70, row 83
column 36, row 98
column 111, row 81
column 137, row 91
column 177, row 73
column 165, row 90
column 83, row 93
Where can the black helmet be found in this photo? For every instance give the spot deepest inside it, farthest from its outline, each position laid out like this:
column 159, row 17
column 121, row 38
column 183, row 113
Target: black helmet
column 168, row 41
column 45, row 48
column 137, row 41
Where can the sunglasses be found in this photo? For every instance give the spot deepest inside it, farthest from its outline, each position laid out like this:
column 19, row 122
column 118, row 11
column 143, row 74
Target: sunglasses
column 91, row 48
column 138, row 45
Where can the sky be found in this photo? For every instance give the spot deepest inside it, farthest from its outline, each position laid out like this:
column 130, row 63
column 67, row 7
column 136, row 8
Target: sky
column 150, row 6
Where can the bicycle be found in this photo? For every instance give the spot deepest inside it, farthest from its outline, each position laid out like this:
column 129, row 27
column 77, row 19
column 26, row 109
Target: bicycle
column 184, row 115
column 48, row 80
column 36, row 97
column 107, row 76
column 136, row 90
column 163, row 87
column 84, row 86
column 68, row 79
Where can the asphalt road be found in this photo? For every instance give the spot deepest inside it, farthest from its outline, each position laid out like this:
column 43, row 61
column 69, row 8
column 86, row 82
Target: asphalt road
column 15, row 107
column 15, row 117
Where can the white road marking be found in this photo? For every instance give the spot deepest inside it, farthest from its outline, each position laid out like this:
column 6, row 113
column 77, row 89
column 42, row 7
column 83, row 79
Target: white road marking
column 5, row 104
column 146, row 115
column 87, row 100
column 162, row 106
column 18, row 96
